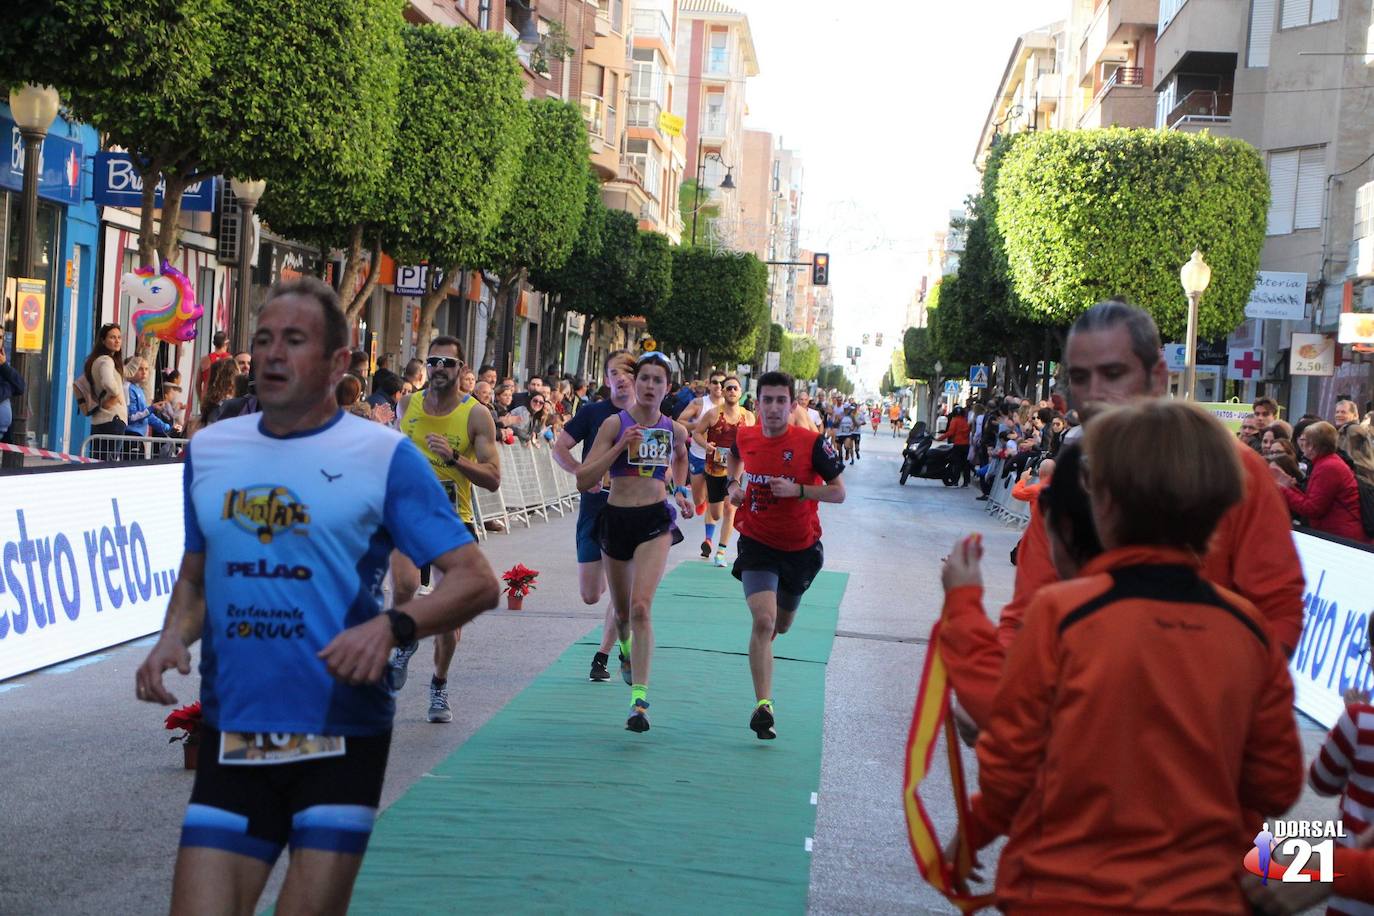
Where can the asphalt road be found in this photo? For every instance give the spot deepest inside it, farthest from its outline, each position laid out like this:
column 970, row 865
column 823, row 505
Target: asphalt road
column 92, row 796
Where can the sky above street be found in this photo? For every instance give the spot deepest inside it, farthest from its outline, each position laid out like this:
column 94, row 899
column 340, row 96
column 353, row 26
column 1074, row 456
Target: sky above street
column 884, row 101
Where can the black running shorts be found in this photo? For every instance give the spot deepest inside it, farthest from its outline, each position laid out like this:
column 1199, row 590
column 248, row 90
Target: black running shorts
column 624, row 528
column 795, row 569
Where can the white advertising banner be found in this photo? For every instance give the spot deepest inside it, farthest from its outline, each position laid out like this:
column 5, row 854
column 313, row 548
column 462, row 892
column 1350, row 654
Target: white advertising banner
column 87, row 560
column 1337, row 601
column 1278, row 294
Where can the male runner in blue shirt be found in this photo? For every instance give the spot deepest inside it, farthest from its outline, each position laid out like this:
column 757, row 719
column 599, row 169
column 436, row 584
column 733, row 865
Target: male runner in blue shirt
column 291, row 516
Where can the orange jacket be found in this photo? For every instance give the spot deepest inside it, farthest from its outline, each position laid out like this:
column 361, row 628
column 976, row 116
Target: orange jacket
column 1142, row 709
column 1027, row 492
column 1251, row 553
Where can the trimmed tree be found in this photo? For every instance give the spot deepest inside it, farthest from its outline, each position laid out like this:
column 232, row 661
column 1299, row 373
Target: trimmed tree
column 804, row 357
column 717, row 303
column 1088, row 215
column 545, row 213
column 575, row 282
column 462, row 131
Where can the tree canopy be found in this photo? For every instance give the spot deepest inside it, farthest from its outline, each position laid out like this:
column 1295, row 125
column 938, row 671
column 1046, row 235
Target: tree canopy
column 718, row 301
column 1088, row 215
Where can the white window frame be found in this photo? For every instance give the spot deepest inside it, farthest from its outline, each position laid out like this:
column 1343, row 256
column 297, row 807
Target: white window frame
column 1297, row 186
column 1297, row 14
column 1262, row 19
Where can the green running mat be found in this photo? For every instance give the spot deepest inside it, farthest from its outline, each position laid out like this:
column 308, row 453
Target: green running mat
column 553, row 807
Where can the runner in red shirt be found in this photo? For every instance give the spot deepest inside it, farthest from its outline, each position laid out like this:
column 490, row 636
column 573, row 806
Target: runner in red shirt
column 787, row 471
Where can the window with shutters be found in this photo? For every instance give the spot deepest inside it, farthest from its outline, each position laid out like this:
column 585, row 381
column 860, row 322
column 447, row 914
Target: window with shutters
column 1297, row 180
column 1298, row 13
column 1261, row 31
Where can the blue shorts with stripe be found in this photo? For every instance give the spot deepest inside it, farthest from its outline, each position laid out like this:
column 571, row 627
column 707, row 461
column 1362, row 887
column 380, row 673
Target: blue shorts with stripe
column 328, row 804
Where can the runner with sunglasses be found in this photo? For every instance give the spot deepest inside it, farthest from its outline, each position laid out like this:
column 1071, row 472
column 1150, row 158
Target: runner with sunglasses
column 458, row 436
column 716, row 433
column 697, row 454
column 636, row 447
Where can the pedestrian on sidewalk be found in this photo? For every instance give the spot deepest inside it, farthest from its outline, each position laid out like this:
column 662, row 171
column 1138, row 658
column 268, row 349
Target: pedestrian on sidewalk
column 11, row 386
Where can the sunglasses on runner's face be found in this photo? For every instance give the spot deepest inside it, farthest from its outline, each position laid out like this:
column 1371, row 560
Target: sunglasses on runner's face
column 448, row 362
column 732, row 388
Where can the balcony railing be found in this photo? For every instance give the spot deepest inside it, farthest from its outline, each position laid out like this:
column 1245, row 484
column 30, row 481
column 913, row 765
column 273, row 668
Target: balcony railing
column 644, row 114
column 631, row 172
column 653, row 24
column 1201, row 106
column 718, row 62
column 1130, row 77
column 713, row 125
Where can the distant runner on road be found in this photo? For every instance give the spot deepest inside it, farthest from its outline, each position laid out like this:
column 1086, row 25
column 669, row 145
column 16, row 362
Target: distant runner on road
column 290, row 517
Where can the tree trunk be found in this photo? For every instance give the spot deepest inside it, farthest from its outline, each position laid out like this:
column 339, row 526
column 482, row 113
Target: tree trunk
column 498, row 312
column 353, row 262
column 354, row 306
column 588, row 328
column 430, row 302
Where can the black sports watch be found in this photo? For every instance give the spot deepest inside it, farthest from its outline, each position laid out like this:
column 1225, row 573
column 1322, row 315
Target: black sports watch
column 402, row 627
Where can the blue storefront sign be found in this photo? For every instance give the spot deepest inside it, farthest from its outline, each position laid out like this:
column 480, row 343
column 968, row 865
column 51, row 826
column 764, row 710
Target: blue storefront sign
column 61, row 176
column 118, row 184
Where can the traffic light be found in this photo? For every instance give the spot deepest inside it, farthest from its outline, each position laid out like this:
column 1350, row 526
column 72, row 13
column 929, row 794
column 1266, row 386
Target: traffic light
column 865, row 338
column 849, row 352
column 859, row 351
column 878, row 341
column 820, row 269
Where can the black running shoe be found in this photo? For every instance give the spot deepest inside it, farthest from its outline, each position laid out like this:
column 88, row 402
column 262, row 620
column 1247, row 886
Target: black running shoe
column 762, row 722
column 599, row 670
column 706, row 549
column 639, row 717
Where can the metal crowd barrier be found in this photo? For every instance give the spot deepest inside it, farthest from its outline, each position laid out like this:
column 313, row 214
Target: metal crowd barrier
column 532, row 485
column 1000, row 502
column 131, row 448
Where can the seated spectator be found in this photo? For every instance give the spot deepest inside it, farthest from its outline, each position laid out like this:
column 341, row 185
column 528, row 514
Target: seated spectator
column 1099, row 663
column 11, row 385
column 1331, row 503
column 141, row 415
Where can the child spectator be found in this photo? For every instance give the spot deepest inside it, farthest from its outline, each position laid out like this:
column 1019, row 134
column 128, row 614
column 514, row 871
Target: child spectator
column 1128, row 653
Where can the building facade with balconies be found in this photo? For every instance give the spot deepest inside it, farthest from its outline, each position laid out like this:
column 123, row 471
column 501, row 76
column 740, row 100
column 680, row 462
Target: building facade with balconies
column 715, row 56
column 1115, row 57
column 1289, row 77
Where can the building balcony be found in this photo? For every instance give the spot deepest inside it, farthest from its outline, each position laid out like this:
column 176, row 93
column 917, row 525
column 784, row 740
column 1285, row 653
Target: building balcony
column 654, row 26
column 1123, row 101
column 1118, row 25
column 1200, row 107
column 717, row 64
column 713, row 126
column 644, row 114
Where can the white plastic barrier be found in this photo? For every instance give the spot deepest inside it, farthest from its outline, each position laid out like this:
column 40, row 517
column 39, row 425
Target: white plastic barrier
column 87, row 559
column 1332, row 654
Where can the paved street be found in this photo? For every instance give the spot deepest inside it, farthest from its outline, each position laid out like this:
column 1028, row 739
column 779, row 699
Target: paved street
column 93, row 795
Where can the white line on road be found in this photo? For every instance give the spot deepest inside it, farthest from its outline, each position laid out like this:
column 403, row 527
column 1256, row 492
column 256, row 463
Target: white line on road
column 813, row 798
column 68, row 667
column 4, row 687
column 808, row 844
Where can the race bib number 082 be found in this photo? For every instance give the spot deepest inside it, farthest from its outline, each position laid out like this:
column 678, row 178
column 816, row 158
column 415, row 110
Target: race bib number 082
column 654, row 449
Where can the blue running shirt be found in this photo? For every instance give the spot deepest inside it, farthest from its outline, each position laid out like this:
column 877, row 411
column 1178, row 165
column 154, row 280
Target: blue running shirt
column 297, row 532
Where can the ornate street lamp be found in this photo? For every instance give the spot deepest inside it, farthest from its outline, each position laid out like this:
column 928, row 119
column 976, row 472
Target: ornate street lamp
column 1195, row 276
column 34, row 109
column 248, row 191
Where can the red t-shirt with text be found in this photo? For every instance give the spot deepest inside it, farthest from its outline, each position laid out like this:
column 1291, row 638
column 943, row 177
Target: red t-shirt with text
column 799, row 455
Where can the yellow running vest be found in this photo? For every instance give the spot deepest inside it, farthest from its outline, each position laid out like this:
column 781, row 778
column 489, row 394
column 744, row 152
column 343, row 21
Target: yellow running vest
column 417, row 425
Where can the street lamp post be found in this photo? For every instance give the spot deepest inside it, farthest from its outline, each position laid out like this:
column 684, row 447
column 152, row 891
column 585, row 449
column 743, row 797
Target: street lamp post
column 248, row 192
column 34, row 108
column 727, row 184
column 1195, row 276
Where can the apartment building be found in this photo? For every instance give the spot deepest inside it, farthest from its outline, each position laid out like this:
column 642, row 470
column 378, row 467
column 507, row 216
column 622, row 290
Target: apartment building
column 756, row 193
column 1291, row 77
column 715, row 56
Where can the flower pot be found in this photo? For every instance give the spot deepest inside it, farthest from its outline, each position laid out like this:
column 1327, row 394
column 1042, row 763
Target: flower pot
column 190, row 751
column 515, row 602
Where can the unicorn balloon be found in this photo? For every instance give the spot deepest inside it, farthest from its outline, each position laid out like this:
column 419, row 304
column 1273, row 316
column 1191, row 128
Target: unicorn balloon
column 172, row 310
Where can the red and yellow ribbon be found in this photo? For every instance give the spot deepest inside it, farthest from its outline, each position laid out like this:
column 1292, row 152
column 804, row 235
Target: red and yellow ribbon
column 932, row 712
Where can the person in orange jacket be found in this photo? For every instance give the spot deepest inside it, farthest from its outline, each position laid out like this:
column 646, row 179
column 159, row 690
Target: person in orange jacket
column 1118, row 757
column 1113, row 357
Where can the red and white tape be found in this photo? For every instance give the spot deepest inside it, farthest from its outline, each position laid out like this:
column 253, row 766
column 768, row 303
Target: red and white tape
column 44, row 453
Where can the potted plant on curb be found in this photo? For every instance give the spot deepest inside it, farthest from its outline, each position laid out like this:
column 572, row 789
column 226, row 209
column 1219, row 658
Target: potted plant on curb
column 188, row 719
column 519, row 583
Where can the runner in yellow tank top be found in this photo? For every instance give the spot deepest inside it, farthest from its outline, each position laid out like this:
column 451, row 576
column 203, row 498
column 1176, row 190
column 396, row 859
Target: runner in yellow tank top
column 458, row 436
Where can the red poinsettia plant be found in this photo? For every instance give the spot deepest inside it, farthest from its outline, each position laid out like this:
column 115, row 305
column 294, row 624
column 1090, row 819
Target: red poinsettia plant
column 519, row 580
column 188, row 719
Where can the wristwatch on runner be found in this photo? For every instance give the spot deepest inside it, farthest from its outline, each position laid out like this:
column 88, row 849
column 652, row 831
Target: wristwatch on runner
column 402, row 627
